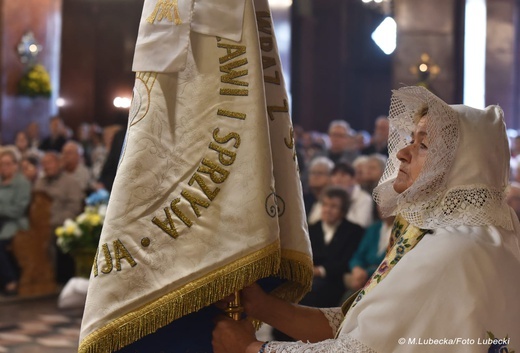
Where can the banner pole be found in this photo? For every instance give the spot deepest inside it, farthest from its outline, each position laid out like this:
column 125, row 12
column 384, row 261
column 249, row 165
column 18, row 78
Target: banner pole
column 235, row 309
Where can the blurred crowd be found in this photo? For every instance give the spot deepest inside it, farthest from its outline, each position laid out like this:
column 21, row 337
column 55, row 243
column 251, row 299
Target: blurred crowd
column 339, row 170
column 67, row 166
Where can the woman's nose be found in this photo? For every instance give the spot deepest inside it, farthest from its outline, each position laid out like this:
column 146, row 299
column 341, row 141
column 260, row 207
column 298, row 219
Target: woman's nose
column 404, row 154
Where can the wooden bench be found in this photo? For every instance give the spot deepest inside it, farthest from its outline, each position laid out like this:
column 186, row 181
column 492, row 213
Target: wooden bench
column 32, row 249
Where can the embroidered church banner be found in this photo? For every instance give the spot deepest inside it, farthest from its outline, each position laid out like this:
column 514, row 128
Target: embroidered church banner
column 207, row 197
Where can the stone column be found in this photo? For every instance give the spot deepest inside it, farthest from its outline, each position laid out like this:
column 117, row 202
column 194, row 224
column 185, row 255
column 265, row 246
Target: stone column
column 433, row 28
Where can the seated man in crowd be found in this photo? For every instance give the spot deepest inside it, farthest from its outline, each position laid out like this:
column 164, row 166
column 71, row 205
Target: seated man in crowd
column 370, row 169
column 67, row 202
column 73, row 164
column 343, row 145
column 319, row 178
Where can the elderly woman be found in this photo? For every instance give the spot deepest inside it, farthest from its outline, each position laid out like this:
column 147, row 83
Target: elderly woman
column 15, row 195
column 449, row 281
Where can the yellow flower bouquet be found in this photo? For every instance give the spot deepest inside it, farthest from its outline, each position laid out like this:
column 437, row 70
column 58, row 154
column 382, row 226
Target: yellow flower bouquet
column 82, row 233
column 35, row 82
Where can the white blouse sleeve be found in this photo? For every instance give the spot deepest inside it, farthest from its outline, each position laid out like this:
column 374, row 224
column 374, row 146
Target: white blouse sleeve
column 334, row 317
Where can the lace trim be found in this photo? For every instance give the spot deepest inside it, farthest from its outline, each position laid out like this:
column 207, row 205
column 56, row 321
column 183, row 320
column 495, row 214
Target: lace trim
column 343, row 344
column 334, row 317
column 434, row 201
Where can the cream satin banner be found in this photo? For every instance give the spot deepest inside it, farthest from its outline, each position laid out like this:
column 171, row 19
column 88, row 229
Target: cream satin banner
column 207, row 197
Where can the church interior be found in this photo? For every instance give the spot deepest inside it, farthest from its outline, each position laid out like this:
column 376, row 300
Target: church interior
column 341, row 60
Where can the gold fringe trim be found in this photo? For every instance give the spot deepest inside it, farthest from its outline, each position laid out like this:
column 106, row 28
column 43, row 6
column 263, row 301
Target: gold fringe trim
column 296, row 268
column 187, row 299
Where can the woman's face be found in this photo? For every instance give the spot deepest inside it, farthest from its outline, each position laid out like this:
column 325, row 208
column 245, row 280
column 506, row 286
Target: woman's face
column 331, row 211
column 8, row 166
column 412, row 157
column 21, row 141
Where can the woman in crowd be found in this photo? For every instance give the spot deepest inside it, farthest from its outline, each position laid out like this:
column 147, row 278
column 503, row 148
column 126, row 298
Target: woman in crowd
column 15, row 195
column 451, row 273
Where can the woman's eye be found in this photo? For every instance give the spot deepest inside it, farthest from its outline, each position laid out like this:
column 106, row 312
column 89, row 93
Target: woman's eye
column 423, row 146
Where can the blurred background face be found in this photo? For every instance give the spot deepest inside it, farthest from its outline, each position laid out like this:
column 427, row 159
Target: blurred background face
column 70, row 155
column 33, row 130
column 21, row 142
column 381, row 130
column 56, row 127
column 319, row 176
column 342, row 179
column 29, row 170
column 50, row 165
column 372, row 170
column 339, row 138
column 331, row 210
column 8, row 166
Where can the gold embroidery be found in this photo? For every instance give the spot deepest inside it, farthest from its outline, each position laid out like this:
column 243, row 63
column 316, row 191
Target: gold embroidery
column 271, row 109
column 217, row 174
column 145, row 242
column 194, row 202
column 108, row 260
column 148, row 79
column 233, row 51
column 120, row 252
column 222, row 140
column 95, row 266
column 171, row 230
column 165, row 8
column 179, row 213
column 222, row 153
column 231, row 74
column 276, row 79
column 267, row 62
column 290, row 143
column 231, row 114
column 205, row 189
column 263, row 24
column 234, row 92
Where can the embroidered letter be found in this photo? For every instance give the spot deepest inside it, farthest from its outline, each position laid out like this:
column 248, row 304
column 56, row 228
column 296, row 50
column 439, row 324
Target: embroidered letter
column 267, row 62
column 263, row 24
column 231, row 74
column 179, row 213
column 222, row 140
column 164, row 8
column 225, row 156
column 108, row 260
column 266, row 43
column 271, row 109
column 209, row 194
column 234, row 92
column 217, row 174
column 231, row 114
column 194, row 201
column 120, row 252
column 168, row 228
column 233, row 51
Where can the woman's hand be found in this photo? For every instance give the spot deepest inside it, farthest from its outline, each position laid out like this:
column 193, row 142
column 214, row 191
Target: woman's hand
column 253, row 300
column 230, row 336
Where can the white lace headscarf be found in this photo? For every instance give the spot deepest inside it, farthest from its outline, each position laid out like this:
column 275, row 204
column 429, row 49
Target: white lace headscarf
column 465, row 175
